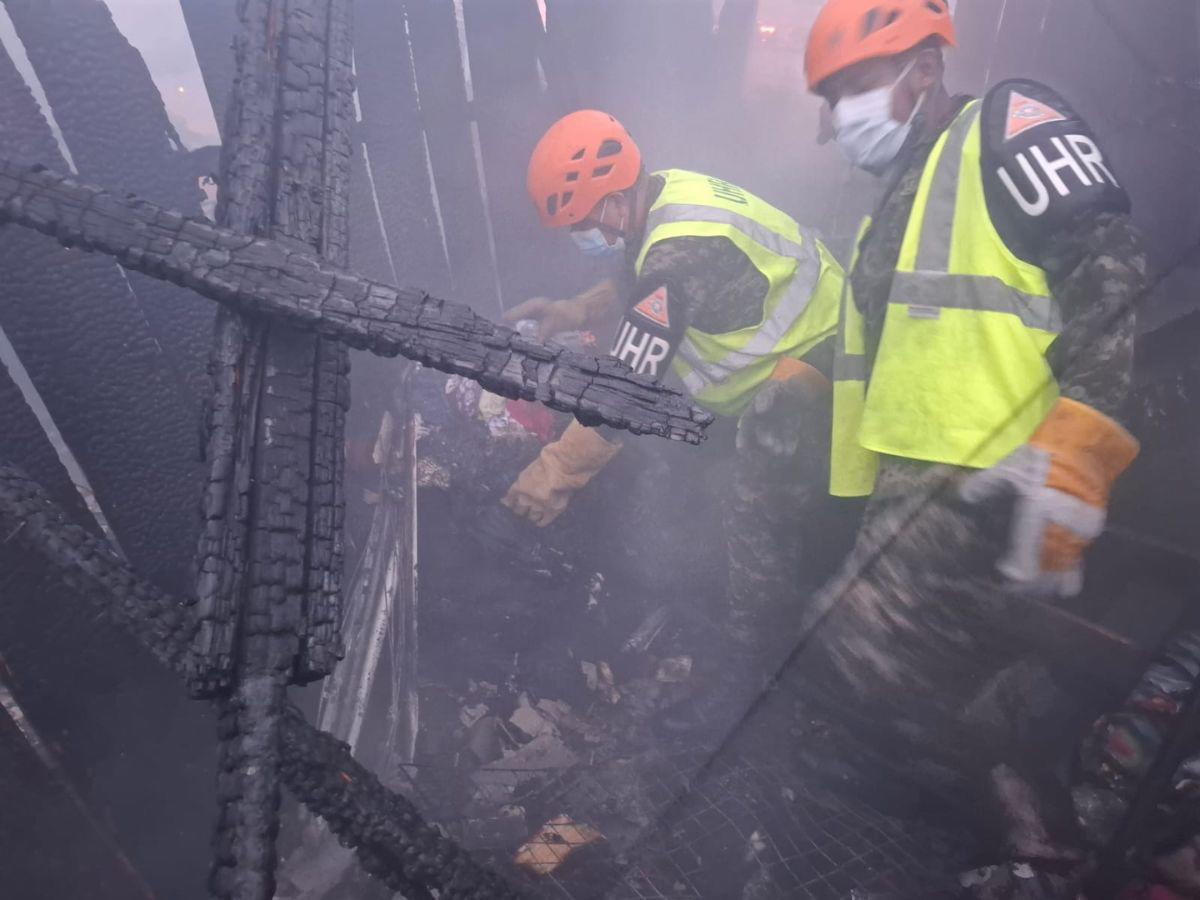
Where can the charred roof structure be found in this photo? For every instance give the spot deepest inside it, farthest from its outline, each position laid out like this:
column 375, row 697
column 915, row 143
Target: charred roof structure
column 247, row 449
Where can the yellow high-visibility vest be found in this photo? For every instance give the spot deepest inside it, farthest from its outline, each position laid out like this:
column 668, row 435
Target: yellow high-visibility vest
column 960, row 374
column 722, row 371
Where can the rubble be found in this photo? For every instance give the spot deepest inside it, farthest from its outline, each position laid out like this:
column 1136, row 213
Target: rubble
column 533, row 721
column 551, row 734
column 486, row 739
column 393, row 841
column 497, row 782
column 546, row 751
column 469, row 715
column 674, row 670
column 554, row 844
column 648, row 630
column 600, row 679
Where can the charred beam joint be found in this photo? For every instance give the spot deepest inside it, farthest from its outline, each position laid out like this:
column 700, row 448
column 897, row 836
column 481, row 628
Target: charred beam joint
column 263, row 277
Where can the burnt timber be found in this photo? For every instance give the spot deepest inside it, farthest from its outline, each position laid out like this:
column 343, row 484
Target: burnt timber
column 268, row 594
column 261, row 277
column 392, row 839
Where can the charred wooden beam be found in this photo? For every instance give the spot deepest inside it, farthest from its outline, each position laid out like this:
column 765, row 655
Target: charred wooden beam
column 270, row 553
column 393, row 841
column 270, row 278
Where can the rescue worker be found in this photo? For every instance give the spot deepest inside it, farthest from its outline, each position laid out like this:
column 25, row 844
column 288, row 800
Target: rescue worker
column 983, row 356
column 732, row 296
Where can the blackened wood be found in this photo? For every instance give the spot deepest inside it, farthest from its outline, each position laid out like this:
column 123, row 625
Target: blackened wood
column 393, row 841
column 268, row 278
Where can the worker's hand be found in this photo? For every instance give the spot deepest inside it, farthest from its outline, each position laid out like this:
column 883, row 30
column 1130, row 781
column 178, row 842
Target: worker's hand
column 576, row 314
column 553, row 317
column 780, row 415
column 538, row 494
column 543, row 490
column 1060, row 483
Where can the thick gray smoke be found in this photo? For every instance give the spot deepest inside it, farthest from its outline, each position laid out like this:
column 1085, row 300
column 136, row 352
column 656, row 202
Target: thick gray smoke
column 516, row 681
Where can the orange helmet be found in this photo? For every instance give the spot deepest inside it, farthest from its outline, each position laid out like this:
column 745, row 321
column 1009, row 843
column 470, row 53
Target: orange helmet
column 584, row 157
column 848, row 31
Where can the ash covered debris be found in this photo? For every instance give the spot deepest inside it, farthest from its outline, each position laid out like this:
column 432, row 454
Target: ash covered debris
column 539, row 692
column 276, row 421
column 553, row 669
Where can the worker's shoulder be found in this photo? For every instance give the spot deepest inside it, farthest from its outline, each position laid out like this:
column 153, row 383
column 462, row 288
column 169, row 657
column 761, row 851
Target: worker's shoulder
column 1043, row 166
column 691, row 255
column 683, row 186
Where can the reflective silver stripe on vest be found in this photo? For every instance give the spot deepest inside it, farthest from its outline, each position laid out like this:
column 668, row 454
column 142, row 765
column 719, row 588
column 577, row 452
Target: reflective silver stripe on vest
column 756, row 231
column 931, row 286
column 789, row 308
column 849, row 367
column 979, row 293
column 937, row 228
column 704, row 373
column 695, row 383
column 791, row 304
column 846, row 366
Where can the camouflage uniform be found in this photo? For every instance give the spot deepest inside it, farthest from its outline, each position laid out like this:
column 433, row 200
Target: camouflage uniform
column 773, row 500
column 914, row 629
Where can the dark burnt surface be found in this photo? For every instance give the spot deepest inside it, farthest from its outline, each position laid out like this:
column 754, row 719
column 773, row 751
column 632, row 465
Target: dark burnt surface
column 56, row 853
column 112, row 118
column 121, row 398
column 270, row 558
column 120, row 390
column 265, row 277
column 392, row 838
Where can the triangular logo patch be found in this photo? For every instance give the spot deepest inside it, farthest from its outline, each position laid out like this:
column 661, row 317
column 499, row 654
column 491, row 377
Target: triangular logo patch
column 655, row 309
column 1025, row 113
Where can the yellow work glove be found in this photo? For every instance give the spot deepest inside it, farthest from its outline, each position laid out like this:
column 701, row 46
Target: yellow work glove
column 1061, row 480
column 543, row 490
column 576, row 314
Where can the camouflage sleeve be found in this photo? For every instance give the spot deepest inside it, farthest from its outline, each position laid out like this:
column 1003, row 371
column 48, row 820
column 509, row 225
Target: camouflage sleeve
column 1055, row 199
column 702, row 281
column 1098, row 273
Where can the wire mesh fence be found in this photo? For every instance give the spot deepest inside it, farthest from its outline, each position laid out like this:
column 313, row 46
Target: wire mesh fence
column 683, row 824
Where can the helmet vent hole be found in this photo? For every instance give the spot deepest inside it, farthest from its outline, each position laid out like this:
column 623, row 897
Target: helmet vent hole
column 937, row 8
column 609, row 148
column 579, row 154
column 572, row 176
column 601, row 171
column 566, row 197
column 892, row 17
column 870, row 21
column 552, row 204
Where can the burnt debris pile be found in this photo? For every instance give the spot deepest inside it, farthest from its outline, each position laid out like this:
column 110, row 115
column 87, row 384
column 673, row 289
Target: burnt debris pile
column 412, row 691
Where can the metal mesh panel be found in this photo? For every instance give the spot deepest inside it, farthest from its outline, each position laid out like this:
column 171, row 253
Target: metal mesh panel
column 678, row 825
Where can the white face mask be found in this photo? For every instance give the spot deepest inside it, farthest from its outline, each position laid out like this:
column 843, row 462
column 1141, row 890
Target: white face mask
column 866, row 132
column 592, row 242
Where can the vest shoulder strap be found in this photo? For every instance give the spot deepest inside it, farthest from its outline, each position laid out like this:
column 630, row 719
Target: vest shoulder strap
column 927, row 241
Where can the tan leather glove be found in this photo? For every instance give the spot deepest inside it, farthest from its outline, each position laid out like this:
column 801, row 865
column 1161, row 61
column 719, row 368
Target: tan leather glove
column 543, row 490
column 1062, row 479
column 579, row 313
column 779, row 416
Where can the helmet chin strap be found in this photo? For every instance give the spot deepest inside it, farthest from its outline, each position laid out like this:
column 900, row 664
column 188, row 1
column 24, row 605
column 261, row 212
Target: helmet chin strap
column 621, row 232
column 917, row 121
column 640, row 196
